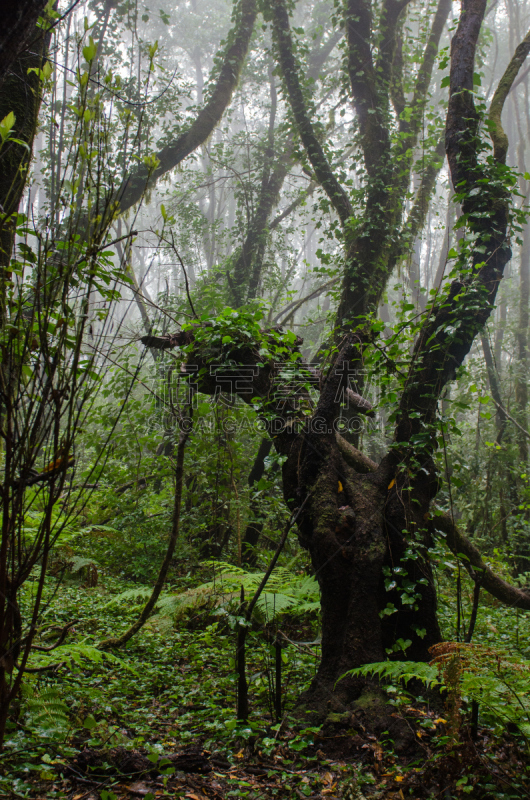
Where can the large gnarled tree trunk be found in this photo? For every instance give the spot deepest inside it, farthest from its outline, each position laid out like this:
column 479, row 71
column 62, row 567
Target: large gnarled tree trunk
column 367, row 526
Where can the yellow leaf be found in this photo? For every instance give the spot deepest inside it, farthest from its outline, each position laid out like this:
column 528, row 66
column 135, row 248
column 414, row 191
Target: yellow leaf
column 436, row 721
column 399, row 778
column 340, row 487
column 392, row 482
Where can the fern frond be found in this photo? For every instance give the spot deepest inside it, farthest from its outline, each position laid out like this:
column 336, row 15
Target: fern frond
column 139, row 594
column 78, row 562
column 78, row 654
column 403, row 671
column 285, row 591
column 271, row 604
column 46, row 709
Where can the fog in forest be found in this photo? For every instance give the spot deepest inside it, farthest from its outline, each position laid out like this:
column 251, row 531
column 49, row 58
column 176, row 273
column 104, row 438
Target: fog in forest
column 264, row 406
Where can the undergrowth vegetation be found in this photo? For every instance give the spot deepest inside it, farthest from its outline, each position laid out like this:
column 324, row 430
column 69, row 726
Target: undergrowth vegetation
column 174, row 687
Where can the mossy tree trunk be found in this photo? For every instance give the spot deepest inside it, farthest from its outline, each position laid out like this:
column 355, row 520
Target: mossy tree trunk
column 21, row 95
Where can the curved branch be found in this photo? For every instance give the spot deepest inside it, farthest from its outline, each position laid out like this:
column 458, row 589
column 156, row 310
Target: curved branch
column 62, row 636
column 315, row 153
column 302, row 197
column 353, row 457
column 478, row 570
column 456, row 541
column 498, row 136
column 210, row 115
column 295, row 304
column 119, row 641
column 46, row 475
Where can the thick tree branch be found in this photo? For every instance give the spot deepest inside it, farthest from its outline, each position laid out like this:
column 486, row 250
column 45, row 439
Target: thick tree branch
column 46, row 475
column 462, row 118
column 249, row 262
column 251, row 254
column 472, row 560
column 354, row 458
column 370, row 106
column 379, row 241
column 388, row 28
column 418, row 213
column 456, row 541
column 448, row 335
column 284, row 414
column 498, row 136
column 210, row 115
column 310, row 140
column 20, row 94
column 423, row 79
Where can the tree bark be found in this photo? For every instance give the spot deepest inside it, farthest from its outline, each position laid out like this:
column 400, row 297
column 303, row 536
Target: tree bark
column 20, row 94
column 521, row 379
column 255, row 526
column 18, row 32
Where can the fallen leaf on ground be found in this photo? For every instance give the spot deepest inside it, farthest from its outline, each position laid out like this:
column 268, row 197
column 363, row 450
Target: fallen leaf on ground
column 138, row 788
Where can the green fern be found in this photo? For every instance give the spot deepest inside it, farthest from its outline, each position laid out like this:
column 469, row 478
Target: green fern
column 76, row 654
column 137, row 595
column 403, row 671
column 45, row 709
column 78, row 562
column 285, row 591
column 498, row 681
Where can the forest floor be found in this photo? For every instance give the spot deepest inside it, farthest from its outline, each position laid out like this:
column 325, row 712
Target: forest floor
column 158, row 721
